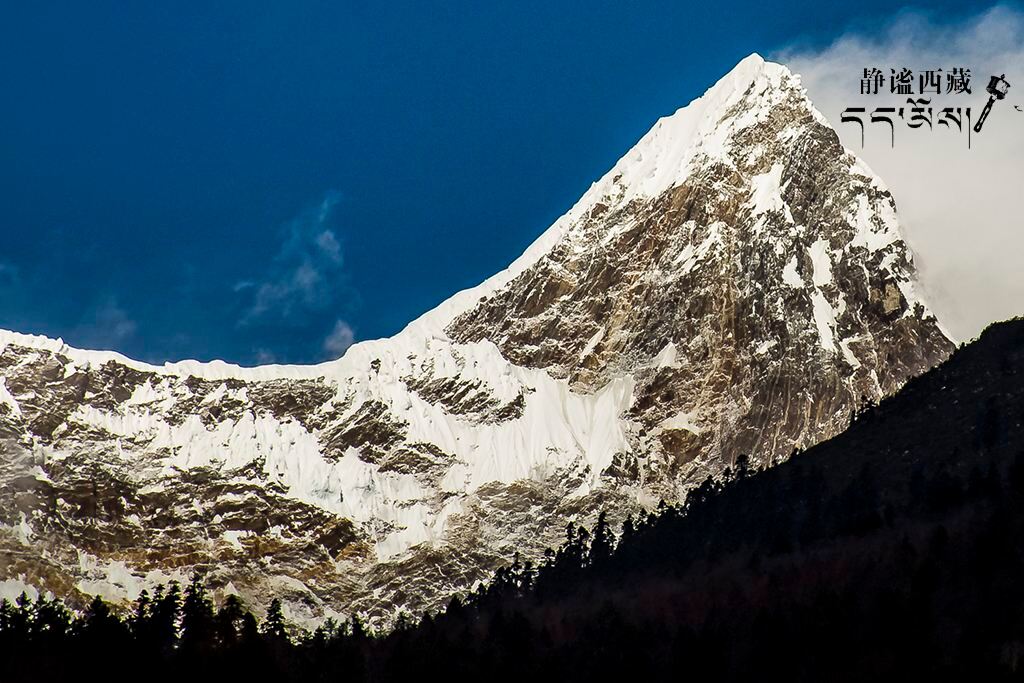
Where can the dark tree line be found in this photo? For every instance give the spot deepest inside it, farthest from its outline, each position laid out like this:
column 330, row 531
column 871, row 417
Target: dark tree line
column 893, row 552
column 169, row 634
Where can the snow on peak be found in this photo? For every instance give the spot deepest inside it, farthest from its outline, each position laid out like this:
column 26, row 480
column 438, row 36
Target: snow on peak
column 660, row 160
column 663, row 157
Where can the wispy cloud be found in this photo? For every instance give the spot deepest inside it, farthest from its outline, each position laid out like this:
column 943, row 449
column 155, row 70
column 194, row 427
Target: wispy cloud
column 338, row 341
column 265, row 356
column 301, row 291
column 960, row 207
column 105, row 325
column 305, row 274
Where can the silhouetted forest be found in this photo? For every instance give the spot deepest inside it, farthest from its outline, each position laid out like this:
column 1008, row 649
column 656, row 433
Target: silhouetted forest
column 895, row 550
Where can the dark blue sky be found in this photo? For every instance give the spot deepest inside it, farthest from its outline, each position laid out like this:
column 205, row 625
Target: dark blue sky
column 232, row 179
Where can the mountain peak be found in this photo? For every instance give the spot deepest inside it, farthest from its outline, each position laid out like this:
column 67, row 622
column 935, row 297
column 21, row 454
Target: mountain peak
column 747, row 70
column 705, row 126
column 661, row 159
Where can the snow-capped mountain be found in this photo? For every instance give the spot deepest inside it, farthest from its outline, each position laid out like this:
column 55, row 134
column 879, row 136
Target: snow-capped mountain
column 736, row 284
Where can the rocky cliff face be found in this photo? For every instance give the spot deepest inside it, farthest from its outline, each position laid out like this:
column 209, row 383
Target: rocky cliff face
column 736, row 284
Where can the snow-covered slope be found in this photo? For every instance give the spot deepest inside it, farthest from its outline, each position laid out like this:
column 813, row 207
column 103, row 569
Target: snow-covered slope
column 737, row 283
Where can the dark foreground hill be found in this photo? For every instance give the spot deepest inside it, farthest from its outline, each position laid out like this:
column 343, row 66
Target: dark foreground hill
column 895, row 550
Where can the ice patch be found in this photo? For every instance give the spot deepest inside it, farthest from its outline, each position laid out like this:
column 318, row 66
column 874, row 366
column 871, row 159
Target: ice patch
column 115, row 582
column 766, row 194
column 790, row 275
column 10, row 589
column 592, row 344
column 848, row 354
column 871, row 235
column 821, row 262
column 7, row 399
column 688, row 258
column 682, row 420
column 666, row 358
column 233, row 537
column 825, row 319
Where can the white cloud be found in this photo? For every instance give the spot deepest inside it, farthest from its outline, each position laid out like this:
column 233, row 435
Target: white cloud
column 340, row 338
column 328, row 245
column 959, row 207
column 305, row 273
